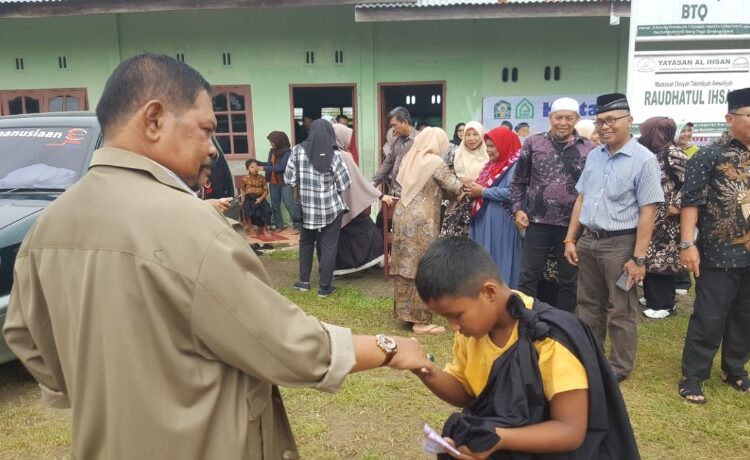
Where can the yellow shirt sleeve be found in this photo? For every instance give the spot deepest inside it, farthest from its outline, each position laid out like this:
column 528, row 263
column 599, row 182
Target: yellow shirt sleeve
column 559, row 368
column 457, row 368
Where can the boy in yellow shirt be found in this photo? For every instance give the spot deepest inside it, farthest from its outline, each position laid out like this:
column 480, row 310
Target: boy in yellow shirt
column 529, row 377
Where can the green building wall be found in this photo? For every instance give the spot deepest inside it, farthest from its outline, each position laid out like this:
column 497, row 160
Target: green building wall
column 268, row 48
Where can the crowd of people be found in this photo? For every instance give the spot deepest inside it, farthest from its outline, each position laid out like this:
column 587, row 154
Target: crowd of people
column 530, row 249
column 575, row 216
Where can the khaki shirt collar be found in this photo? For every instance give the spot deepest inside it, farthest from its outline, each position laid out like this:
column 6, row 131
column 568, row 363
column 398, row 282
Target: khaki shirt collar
column 119, row 158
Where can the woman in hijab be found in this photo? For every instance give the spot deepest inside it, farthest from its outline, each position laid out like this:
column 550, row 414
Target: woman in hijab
column 278, row 157
column 458, row 134
column 360, row 242
column 492, row 223
column 663, row 257
column 416, row 222
column 316, row 168
column 466, row 162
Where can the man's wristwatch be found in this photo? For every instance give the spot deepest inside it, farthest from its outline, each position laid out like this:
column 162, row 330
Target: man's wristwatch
column 640, row 261
column 686, row 244
column 389, row 347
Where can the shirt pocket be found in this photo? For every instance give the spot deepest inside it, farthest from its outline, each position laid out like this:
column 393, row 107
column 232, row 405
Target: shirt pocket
column 617, row 188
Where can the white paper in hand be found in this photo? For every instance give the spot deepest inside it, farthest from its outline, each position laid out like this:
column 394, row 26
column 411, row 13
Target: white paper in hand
column 434, row 444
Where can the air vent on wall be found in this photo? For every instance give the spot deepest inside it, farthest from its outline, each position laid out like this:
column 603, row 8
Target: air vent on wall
column 309, row 57
column 62, row 62
column 19, row 63
column 180, row 57
column 509, row 74
column 339, row 57
column 552, row 73
column 226, row 59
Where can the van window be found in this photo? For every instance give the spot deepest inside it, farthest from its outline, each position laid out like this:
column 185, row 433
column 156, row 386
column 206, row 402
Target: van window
column 43, row 157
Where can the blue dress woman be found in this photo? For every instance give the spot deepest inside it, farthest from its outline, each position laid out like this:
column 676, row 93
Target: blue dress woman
column 492, row 222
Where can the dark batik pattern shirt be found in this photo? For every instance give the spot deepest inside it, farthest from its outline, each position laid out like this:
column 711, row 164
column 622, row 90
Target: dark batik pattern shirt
column 388, row 171
column 544, row 184
column 717, row 181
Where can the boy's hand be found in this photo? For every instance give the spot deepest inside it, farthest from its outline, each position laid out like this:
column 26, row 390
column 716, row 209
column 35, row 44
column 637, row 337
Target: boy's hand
column 259, row 201
column 467, row 454
column 409, row 356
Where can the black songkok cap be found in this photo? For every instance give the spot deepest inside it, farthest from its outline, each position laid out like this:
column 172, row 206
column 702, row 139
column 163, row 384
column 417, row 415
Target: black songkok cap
column 738, row 98
column 612, row 101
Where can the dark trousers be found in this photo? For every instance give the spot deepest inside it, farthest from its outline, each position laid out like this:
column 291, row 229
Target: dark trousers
column 683, row 281
column 540, row 238
column 659, row 291
column 601, row 304
column 326, row 241
column 721, row 316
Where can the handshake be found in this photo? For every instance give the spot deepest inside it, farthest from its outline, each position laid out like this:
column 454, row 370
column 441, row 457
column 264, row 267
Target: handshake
column 404, row 354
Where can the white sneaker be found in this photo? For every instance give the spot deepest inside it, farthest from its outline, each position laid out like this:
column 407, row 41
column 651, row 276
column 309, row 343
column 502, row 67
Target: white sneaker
column 658, row 314
column 642, row 301
column 681, row 291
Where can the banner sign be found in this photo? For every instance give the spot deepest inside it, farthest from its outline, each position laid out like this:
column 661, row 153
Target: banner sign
column 690, row 20
column 529, row 114
column 690, row 86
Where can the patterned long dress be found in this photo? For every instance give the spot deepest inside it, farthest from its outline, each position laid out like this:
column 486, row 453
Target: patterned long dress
column 663, row 255
column 457, row 217
column 415, row 227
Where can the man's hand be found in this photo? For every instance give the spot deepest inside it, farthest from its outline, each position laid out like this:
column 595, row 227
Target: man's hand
column 570, row 253
column 221, row 205
column 387, row 200
column 522, row 220
column 409, row 356
column 673, row 211
column 691, row 260
column 259, row 201
column 635, row 273
column 467, row 454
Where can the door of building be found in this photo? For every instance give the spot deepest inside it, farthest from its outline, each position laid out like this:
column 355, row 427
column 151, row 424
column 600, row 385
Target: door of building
column 425, row 102
column 314, row 101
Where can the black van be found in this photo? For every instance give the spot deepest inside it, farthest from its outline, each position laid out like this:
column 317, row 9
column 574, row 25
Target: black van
column 41, row 155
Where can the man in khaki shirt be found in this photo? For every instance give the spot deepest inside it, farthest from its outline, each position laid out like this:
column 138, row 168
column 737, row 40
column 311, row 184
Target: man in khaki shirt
column 142, row 308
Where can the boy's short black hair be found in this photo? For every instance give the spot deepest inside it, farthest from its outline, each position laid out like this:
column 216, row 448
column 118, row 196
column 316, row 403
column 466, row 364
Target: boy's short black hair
column 251, row 161
column 455, row 267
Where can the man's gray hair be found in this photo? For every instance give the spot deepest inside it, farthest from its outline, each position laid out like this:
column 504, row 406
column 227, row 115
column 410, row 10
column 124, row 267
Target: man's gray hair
column 401, row 114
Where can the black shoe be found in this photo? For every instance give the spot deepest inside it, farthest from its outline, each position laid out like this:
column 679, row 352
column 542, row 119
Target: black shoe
column 620, row 377
column 326, row 291
column 301, row 286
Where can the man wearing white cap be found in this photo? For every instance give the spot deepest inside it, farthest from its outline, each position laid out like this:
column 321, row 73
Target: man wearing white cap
column 543, row 192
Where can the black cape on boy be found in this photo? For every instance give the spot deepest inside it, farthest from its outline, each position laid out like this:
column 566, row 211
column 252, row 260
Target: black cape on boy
column 514, row 395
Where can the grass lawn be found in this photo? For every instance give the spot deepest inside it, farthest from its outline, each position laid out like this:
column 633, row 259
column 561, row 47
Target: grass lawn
column 378, row 414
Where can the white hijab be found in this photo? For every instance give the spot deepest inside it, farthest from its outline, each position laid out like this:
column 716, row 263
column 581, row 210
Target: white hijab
column 469, row 163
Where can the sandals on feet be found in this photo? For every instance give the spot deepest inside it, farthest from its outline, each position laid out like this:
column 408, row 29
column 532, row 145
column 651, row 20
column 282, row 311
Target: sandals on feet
column 427, row 329
column 738, row 382
column 691, row 386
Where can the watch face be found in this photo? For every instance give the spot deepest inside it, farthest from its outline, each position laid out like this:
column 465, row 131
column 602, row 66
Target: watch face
column 387, row 343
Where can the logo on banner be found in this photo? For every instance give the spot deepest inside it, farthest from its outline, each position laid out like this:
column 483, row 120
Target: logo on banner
column 502, row 110
column 525, row 109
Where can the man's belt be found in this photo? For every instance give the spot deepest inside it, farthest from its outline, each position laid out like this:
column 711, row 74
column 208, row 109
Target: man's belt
column 601, row 234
